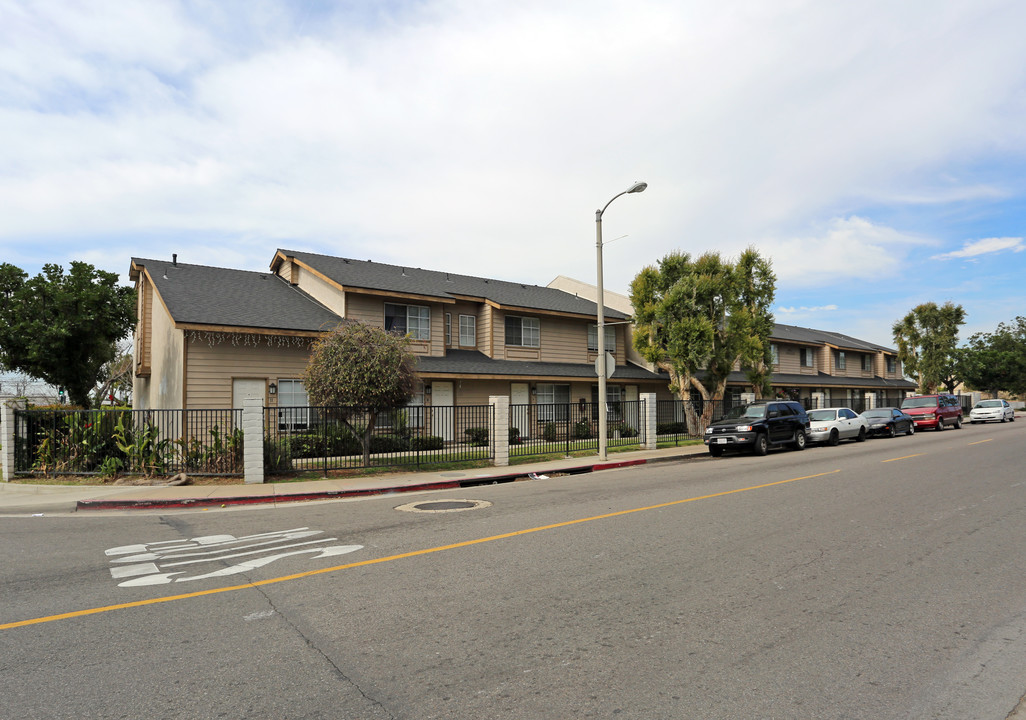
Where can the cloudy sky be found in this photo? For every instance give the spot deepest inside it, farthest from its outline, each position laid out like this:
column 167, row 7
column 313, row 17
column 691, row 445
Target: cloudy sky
column 873, row 150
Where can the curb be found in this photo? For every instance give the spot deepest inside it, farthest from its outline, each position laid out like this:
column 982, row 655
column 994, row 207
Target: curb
column 184, row 503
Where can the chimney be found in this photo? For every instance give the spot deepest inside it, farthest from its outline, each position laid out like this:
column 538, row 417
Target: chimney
column 174, row 259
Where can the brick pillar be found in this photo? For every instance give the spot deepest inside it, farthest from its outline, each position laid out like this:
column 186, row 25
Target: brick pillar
column 648, row 419
column 7, row 440
column 499, row 437
column 253, row 439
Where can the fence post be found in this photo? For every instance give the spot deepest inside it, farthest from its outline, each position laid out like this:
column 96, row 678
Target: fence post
column 648, row 419
column 499, row 436
column 7, row 439
column 253, row 439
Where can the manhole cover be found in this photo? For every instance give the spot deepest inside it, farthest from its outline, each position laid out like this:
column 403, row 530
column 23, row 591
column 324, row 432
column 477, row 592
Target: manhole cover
column 437, row 506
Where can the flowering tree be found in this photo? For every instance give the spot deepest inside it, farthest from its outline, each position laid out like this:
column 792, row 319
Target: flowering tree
column 360, row 369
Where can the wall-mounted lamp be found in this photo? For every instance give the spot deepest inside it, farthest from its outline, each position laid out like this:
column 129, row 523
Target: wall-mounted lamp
column 272, row 389
column 534, row 391
column 427, row 389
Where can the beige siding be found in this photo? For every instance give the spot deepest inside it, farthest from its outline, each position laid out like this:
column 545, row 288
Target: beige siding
column 485, row 334
column 316, row 287
column 163, row 389
column 212, row 368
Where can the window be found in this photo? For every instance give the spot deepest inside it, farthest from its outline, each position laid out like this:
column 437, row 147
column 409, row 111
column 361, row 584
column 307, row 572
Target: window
column 892, row 364
column 867, row 363
column 293, row 405
column 774, row 354
column 448, row 329
column 412, row 320
column 842, row 363
column 608, row 338
column 468, row 331
column 614, row 396
column 553, row 401
column 523, row 332
column 807, row 357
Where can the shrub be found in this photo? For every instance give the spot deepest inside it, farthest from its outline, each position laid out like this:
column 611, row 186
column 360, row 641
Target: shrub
column 672, row 428
column 478, row 435
column 428, row 442
column 514, row 436
column 550, row 432
column 628, row 431
column 388, row 444
column 582, row 429
column 276, row 456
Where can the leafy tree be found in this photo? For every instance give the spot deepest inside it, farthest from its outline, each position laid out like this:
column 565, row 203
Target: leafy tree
column 995, row 361
column 926, row 339
column 60, row 327
column 358, row 368
column 699, row 318
column 116, row 374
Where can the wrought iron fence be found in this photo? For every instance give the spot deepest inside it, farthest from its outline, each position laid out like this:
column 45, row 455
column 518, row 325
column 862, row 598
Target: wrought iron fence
column 298, row 439
column 678, row 421
column 113, row 441
column 543, row 429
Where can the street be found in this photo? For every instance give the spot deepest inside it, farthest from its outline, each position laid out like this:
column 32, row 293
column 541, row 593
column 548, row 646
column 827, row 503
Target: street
column 884, row 579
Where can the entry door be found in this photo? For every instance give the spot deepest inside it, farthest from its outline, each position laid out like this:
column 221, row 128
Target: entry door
column 243, row 388
column 442, row 416
column 519, row 399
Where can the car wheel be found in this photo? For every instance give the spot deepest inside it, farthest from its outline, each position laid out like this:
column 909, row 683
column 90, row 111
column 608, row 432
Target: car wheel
column 715, row 451
column 1003, row 418
column 941, row 425
column 833, row 439
column 761, row 445
column 862, row 435
column 958, row 423
column 1011, row 419
column 799, row 440
column 891, row 432
column 911, row 429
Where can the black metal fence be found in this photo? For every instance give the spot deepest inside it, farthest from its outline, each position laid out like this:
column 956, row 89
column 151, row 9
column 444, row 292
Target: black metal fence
column 298, row 439
column 678, row 421
column 543, row 429
column 116, row 441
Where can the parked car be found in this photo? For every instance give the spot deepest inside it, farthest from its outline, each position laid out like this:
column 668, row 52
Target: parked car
column 759, row 426
column 889, row 421
column 934, row 411
column 831, row 425
column 986, row 410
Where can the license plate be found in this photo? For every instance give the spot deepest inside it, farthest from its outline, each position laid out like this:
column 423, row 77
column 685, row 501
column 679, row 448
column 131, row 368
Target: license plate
column 721, row 441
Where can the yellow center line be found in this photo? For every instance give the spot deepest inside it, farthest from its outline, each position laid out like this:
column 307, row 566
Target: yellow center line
column 904, row 457
column 982, row 441
column 390, row 558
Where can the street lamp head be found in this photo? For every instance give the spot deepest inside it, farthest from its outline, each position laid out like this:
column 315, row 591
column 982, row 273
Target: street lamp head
column 637, row 187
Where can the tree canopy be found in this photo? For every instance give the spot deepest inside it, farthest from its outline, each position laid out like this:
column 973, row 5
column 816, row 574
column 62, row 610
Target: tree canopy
column 360, row 370
column 995, row 362
column 927, row 337
column 698, row 318
column 63, row 328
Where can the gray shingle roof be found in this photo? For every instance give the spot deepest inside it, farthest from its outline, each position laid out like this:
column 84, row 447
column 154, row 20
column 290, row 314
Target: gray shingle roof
column 823, row 337
column 385, row 278
column 202, row 295
column 472, row 362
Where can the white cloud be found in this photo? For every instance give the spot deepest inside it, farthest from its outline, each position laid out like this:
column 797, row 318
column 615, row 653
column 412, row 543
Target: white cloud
column 986, row 246
column 805, row 310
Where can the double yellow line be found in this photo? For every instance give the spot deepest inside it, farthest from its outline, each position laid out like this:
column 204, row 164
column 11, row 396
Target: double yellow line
column 391, row 558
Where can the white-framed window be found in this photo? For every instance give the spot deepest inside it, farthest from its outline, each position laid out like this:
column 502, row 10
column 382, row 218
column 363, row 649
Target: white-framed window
column 807, row 357
column 867, row 362
column 412, row 320
column 608, row 338
column 842, row 361
column 448, row 329
column 523, row 331
column 293, row 405
column 614, row 396
column 892, row 363
column 774, row 354
column 468, row 331
column 553, row 400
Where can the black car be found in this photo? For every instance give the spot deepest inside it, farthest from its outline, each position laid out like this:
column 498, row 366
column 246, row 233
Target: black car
column 889, row 421
column 759, row 426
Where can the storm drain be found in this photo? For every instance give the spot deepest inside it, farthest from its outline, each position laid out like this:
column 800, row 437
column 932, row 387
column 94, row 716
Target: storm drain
column 440, row 506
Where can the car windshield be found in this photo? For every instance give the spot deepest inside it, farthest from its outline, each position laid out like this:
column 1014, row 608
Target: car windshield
column 884, row 413
column 919, row 402
column 988, row 403
column 821, row 415
column 746, row 411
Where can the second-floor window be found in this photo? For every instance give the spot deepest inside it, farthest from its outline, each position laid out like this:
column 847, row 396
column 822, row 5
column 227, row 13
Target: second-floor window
column 892, row 364
column 807, row 357
column 523, row 331
column 608, row 338
column 842, row 363
column 468, row 331
column 867, row 363
column 774, row 354
column 412, row 320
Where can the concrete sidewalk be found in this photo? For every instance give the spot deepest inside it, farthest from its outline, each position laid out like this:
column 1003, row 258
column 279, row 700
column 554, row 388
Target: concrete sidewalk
column 23, row 499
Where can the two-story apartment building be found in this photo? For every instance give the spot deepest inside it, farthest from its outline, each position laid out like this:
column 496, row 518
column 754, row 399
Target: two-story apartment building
column 207, row 337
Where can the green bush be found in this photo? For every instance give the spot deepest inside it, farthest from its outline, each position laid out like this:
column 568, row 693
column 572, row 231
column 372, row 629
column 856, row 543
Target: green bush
column 276, row 456
column 388, row 444
column 478, row 436
column 550, row 432
column 514, row 436
column 628, row 431
column 582, row 430
column 428, row 442
column 672, row 428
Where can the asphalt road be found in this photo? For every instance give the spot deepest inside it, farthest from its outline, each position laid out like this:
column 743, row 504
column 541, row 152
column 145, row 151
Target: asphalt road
column 878, row 580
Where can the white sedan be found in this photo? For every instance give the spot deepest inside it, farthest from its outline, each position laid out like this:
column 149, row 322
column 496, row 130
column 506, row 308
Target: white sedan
column 986, row 410
column 831, row 425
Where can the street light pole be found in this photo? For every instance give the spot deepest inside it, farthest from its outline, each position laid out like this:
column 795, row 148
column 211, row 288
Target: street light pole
column 600, row 312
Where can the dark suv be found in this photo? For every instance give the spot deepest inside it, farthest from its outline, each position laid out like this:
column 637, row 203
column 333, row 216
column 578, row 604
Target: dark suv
column 759, row 426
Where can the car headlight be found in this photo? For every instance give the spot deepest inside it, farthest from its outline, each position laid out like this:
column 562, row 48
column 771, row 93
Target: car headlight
column 744, row 428
column 708, row 431
column 819, row 429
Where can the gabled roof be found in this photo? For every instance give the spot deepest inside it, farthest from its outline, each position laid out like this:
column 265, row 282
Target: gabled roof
column 199, row 295
column 441, row 286
column 475, row 363
column 792, row 333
